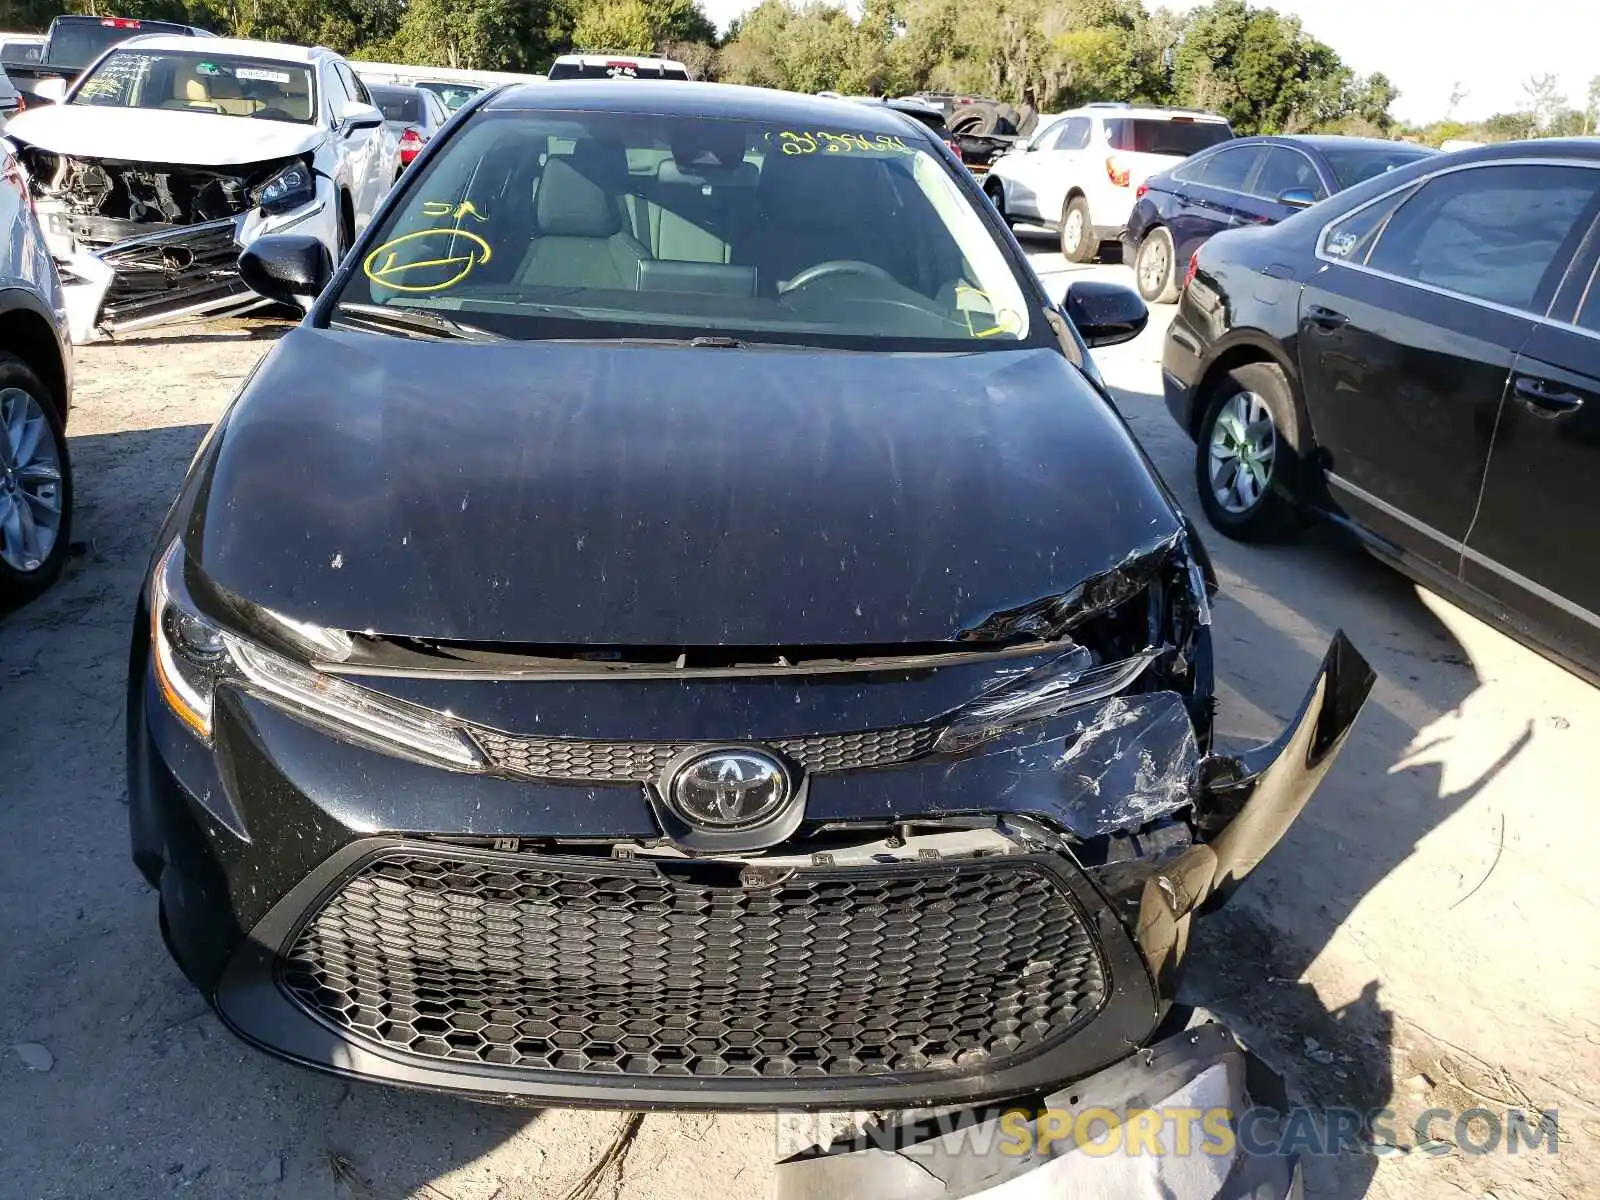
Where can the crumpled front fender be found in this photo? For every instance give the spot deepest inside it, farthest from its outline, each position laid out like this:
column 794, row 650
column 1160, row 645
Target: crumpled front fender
column 1246, row 804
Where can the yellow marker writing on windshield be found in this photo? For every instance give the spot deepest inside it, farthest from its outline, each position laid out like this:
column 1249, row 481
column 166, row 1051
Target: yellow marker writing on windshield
column 442, row 208
column 386, row 267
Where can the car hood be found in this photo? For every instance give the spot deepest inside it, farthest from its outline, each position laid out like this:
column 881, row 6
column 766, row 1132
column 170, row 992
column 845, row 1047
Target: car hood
column 578, row 493
column 160, row 135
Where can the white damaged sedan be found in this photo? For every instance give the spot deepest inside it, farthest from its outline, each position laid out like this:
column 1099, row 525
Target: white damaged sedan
column 168, row 156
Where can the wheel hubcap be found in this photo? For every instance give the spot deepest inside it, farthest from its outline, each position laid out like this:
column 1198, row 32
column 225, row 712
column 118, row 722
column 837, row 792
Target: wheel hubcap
column 30, row 482
column 1072, row 234
column 1244, row 442
column 1154, row 273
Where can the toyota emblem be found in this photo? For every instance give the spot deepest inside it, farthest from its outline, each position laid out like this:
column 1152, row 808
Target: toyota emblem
column 730, row 789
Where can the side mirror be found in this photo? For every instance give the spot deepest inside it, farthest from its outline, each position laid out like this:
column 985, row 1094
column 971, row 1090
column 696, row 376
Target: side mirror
column 1105, row 314
column 52, row 91
column 356, row 115
column 291, row 268
column 1297, row 198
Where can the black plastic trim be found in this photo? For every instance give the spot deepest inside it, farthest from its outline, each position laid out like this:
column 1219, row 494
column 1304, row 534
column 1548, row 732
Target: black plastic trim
column 252, row 1003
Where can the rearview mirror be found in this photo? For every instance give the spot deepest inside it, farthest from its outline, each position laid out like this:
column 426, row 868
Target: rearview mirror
column 54, row 91
column 290, row 268
column 1297, row 198
column 356, row 115
column 1105, row 314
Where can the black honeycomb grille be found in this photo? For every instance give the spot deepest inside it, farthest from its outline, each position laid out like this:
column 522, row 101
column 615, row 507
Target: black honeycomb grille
column 600, row 967
column 643, row 762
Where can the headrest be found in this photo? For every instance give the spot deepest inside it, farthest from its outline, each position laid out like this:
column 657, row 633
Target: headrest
column 570, row 204
column 195, row 90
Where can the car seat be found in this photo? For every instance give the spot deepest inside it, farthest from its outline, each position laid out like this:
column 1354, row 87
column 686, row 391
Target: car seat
column 580, row 239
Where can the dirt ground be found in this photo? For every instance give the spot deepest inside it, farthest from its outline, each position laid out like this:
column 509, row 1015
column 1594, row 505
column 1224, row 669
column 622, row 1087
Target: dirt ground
column 1424, row 938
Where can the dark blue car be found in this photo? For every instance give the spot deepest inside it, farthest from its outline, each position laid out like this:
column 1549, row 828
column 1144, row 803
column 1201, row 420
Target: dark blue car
column 1247, row 181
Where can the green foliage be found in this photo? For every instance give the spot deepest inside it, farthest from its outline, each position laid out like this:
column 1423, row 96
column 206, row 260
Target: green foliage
column 1255, row 66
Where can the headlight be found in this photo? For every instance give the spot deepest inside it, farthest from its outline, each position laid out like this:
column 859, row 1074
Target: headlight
column 289, row 188
column 192, row 656
column 1058, row 687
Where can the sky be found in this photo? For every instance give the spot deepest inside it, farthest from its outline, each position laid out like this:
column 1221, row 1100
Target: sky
column 1426, row 46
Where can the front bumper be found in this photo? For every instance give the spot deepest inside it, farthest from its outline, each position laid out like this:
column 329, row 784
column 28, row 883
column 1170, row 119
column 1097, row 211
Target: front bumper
column 508, row 939
column 174, row 274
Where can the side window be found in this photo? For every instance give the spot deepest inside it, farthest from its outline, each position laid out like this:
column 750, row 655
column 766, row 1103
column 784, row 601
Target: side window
column 338, row 94
column 1230, row 168
column 352, row 86
column 1286, row 170
column 1589, row 306
column 436, row 109
column 1192, row 170
column 1492, row 232
column 1074, row 134
column 1351, row 239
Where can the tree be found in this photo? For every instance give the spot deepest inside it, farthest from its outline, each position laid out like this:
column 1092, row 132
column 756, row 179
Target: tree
column 1545, row 100
column 1591, row 112
column 614, row 25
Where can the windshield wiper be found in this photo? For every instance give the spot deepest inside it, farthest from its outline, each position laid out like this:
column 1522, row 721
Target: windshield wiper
column 414, row 321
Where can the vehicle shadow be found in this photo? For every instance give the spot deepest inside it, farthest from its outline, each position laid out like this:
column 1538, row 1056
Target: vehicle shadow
column 146, row 1092
column 1276, row 610
column 266, row 327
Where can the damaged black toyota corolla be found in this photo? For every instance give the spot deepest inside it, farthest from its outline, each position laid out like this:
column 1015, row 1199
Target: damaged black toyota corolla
column 677, row 624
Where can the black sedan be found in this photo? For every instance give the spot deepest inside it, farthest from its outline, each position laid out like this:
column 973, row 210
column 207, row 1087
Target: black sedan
column 1419, row 359
column 678, row 623
column 1247, row 181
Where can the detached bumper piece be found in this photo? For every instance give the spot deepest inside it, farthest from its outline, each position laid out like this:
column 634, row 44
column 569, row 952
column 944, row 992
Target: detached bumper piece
column 1195, row 1079
column 613, row 980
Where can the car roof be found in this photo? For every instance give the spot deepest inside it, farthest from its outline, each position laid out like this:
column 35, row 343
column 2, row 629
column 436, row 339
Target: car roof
column 601, row 58
column 1148, row 112
column 1329, row 141
column 232, row 47
column 674, row 99
column 1587, row 149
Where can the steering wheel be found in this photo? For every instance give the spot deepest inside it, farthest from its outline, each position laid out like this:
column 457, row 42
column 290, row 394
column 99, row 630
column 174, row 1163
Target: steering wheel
column 837, row 266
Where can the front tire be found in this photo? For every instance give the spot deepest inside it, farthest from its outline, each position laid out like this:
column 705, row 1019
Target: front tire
column 1247, row 455
column 1078, row 244
column 996, row 192
column 35, row 486
column 1155, row 268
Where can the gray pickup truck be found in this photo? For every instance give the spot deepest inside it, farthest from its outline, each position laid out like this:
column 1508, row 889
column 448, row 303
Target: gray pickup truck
column 72, row 43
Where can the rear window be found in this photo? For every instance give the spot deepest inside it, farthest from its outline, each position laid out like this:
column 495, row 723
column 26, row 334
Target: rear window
column 1353, row 166
column 454, row 95
column 1151, row 135
column 79, row 43
column 933, row 121
column 616, row 68
column 397, row 105
column 19, row 52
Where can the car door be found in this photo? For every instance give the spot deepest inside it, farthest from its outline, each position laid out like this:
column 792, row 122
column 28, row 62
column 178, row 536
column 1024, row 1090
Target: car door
column 1212, row 196
column 1408, row 335
column 1283, row 170
column 1532, row 544
column 1060, row 166
column 366, row 147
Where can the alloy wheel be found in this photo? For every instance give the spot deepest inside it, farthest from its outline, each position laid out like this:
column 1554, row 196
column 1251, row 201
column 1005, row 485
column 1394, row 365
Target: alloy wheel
column 30, row 482
column 1154, row 263
column 1244, row 442
column 1072, row 231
